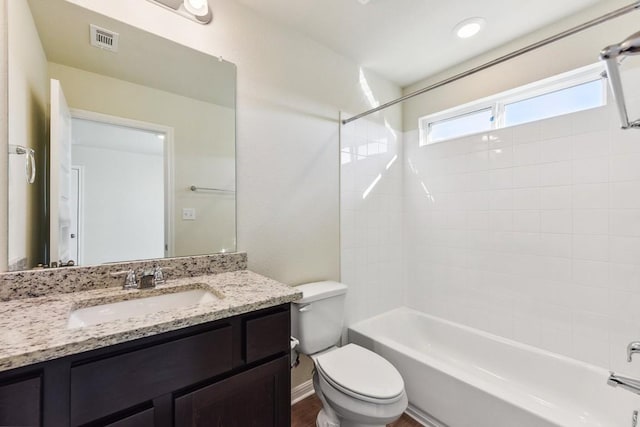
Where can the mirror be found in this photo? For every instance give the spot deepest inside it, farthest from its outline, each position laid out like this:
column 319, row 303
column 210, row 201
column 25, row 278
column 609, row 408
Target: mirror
column 121, row 143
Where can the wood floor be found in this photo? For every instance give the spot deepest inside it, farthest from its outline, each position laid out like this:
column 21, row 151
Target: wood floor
column 303, row 414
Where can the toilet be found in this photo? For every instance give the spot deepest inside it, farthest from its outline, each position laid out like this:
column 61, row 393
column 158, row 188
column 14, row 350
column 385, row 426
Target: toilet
column 357, row 387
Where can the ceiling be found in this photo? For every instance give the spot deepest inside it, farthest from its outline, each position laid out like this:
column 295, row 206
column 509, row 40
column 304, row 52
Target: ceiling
column 408, row 40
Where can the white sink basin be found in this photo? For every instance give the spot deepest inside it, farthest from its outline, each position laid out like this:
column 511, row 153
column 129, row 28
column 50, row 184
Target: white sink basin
column 135, row 307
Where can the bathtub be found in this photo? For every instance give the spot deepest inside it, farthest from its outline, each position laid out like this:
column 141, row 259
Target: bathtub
column 461, row 377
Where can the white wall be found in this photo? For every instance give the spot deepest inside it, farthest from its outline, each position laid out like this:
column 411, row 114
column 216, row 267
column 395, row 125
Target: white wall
column 28, row 95
column 532, row 233
column 290, row 90
column 123, row 203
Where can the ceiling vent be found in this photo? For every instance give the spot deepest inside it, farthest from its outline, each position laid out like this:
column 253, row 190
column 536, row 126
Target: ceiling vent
column 103, row 38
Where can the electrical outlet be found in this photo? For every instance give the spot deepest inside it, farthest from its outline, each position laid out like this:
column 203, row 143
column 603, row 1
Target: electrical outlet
column 188, row 214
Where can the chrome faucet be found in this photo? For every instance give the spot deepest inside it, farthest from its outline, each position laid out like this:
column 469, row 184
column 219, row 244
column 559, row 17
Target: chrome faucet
column 628, row 384
column 632, row 348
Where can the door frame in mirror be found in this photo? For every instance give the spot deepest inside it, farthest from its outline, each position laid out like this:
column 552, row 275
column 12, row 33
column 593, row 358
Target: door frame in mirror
column 169, row 180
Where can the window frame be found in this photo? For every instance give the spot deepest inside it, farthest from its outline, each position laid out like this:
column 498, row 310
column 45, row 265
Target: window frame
column 498, row 102
column 481, row 109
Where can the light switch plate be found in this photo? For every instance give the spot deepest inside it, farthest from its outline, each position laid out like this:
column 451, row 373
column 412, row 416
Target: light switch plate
column 188, row 214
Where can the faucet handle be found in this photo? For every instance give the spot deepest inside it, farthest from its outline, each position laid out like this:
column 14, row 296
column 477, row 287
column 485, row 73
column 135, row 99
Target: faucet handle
column 632, row 348
column 130, row 281
column 158, row 274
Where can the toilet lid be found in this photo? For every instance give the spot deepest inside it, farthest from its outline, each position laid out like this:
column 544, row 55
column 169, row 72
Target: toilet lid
column 361, row 372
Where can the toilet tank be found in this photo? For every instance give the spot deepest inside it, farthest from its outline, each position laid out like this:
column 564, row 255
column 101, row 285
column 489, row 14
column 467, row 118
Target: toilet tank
column 317, row 318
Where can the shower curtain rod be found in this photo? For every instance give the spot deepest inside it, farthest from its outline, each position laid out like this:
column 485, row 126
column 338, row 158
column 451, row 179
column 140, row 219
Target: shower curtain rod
column 571, row 31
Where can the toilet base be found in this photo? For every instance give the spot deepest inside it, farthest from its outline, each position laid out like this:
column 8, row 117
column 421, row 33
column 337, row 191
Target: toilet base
column 324, row 421
column 348, row 424
column 333, row 414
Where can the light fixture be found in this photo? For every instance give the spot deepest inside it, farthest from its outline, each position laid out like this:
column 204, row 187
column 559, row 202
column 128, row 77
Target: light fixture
column 195, row 10
column 197, row 7
column 469, row 27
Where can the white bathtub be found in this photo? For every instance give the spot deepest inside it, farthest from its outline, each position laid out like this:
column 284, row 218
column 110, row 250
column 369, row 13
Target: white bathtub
column 462, row 377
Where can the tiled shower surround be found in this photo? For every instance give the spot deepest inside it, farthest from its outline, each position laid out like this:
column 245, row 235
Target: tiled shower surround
column 530, row 232
column 371, row 218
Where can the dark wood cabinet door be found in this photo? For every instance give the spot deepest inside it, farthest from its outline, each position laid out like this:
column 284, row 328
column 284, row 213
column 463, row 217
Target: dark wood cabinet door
column 20, row 403
column 258, row 397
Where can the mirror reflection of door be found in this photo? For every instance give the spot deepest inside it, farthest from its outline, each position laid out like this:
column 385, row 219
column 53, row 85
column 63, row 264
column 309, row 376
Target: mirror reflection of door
column 110, row 191
column 122, row 200
column 59, row 178
column 75, row 202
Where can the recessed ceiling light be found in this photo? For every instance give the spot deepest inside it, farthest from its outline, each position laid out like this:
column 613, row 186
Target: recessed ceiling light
column 364, row 1
column 469, row 27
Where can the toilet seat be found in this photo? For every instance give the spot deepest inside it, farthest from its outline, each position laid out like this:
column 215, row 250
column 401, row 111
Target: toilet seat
column 361, row 374
column 353, row 411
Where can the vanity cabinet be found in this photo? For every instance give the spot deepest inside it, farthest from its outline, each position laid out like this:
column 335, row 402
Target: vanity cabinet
column 231, row 372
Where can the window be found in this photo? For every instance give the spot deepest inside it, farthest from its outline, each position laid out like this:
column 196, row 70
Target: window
column 563, row 101
column 563, row 94
column 464, row 124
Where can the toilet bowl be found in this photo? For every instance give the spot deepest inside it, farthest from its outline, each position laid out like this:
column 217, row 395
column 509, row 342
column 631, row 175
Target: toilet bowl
column 360, row 387
column 357, row 387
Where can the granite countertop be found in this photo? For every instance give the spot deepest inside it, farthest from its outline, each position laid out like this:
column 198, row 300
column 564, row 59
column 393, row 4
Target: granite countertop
column 35, row 330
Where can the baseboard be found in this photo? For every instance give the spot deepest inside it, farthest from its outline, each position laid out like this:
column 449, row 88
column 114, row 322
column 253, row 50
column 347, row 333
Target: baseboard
column 423, row 418
column 302, row 391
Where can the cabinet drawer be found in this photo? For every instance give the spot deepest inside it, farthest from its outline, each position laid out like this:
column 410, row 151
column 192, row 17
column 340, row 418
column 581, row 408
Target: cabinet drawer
column 141, row 419
column 110, row 385
column 266, row 336
column 20, row 403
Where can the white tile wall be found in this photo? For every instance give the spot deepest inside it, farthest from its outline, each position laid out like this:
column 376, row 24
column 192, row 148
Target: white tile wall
column 371, row 218
column 531, row 232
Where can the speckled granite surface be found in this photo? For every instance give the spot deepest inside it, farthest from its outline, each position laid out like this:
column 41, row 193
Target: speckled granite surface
column 34, row 330
column 37, row 283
